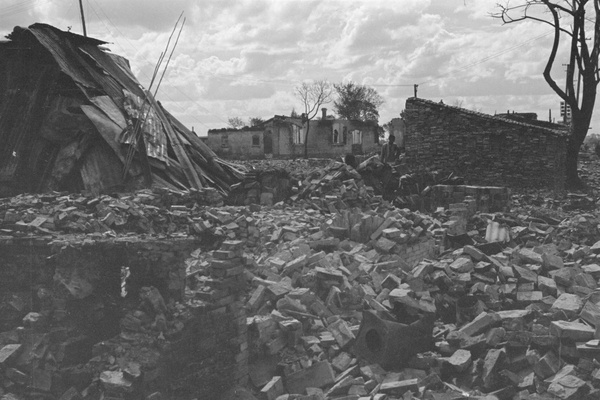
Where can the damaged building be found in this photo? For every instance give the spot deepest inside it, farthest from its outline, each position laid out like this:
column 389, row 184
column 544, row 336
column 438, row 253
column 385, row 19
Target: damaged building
column 284, row 137
column 74, row 117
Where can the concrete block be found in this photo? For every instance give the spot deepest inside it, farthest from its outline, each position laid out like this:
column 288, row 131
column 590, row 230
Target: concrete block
column 493, row 363
column 574, row 330
column 525, row 274
column 460, row 360
column 480, row 324
column 272, row 389
column 547, row 366
column 591, row 313
column 569, row 303
column 551, row 261
column 318, row 375
column 547, row 286
column 8, row 352
column 399, row 387
column 568, row 387
column 341, row 332
column 462, row 265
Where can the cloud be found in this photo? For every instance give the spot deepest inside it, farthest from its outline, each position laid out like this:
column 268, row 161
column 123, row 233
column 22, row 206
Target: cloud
column 244, row 57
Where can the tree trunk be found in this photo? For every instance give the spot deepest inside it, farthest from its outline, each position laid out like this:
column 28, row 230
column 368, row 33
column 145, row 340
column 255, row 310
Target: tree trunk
column 306, row 140
column 579, row 128
column 572, row 177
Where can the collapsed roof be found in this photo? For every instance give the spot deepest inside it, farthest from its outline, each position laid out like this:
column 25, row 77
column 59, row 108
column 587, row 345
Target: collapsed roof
column 74, row 117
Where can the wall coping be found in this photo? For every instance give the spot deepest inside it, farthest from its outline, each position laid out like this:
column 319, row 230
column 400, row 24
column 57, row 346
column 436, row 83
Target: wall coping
column 418, row 101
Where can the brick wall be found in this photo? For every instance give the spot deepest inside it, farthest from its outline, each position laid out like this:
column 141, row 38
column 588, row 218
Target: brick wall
column 200, row 353
column 483, row 149
column 212, row 354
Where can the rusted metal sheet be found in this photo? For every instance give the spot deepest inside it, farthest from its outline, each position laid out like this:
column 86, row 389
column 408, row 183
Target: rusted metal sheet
column 112, row 111
column 64, row 53
column 101, row 170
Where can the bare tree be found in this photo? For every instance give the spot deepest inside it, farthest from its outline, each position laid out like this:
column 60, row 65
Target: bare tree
column 313, row 96
column 569, row 21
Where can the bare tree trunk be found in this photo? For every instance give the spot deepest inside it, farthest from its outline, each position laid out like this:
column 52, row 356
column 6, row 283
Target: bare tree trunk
column 572, row 176
column 581, row 121
column 306, row 140
column 579, row 128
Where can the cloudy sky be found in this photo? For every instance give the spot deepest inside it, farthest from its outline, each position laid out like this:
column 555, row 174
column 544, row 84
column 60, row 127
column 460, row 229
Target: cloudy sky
column 243, row 58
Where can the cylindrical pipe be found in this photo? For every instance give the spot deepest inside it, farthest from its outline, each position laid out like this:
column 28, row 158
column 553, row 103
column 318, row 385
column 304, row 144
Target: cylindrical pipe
column 391, row 344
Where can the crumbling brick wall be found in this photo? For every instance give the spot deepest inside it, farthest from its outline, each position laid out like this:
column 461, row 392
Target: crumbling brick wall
column 485, row 150
column 77, row 283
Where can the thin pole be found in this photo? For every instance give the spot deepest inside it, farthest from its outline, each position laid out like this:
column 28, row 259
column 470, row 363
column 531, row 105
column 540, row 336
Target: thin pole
column 82, row 18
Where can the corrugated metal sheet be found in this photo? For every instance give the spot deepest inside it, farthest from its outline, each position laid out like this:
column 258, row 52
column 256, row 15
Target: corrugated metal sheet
column 49, row 75
column 154, row 134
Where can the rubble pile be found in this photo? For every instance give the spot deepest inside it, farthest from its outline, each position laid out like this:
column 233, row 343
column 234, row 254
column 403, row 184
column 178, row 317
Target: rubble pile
column 345, row 297
column 265, row 187
column 298, row 168
column 150, row 211
column 512, row 324
column 336, row 187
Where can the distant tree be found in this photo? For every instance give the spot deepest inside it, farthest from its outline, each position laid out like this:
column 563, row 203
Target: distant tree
column 294, row 114
column 357, row 102
column 313, row 96
column 577, row 21
column 256, row 121
column 236, row 122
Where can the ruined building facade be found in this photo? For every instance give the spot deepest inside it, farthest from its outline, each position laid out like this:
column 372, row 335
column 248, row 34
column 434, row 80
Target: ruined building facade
column 484, row 149
column 284, row 137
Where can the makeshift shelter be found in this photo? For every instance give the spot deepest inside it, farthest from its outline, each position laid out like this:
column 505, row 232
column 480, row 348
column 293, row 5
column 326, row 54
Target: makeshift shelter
column 74, row 117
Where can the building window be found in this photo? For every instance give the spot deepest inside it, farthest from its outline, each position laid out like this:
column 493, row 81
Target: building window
column 297, row 134
column 224, row 141
column 356, row 137
column 336, row 137
column 255, row 140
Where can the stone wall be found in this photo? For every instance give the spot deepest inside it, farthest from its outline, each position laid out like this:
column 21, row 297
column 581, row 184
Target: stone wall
column 484, row 149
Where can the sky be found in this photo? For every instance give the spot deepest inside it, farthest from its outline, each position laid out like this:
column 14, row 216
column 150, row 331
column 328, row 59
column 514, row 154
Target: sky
column 244, row 58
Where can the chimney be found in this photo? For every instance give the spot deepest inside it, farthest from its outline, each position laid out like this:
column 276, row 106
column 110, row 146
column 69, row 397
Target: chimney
column 324, row 111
